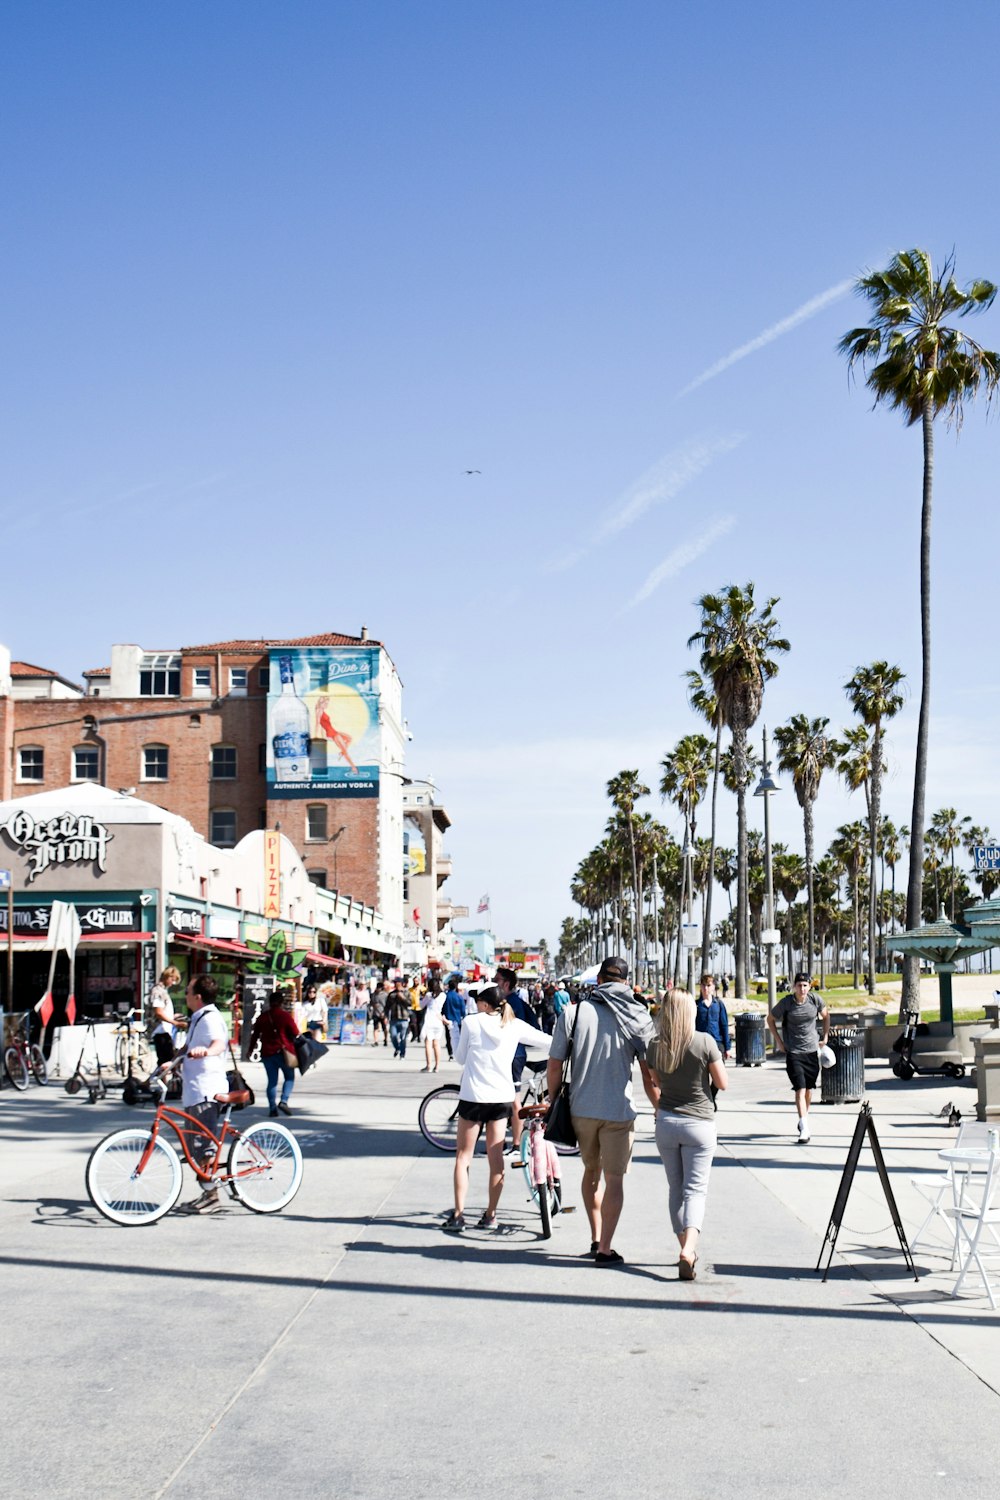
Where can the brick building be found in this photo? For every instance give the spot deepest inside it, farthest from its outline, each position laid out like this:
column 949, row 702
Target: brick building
column 193, row 729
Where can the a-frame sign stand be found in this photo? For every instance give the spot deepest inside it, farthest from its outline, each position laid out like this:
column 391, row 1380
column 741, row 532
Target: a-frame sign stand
column 865, row 1126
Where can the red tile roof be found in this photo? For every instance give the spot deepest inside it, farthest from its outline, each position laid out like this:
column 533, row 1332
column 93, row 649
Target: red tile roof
column 25, row 669
column 98, row 672
column 330, row 639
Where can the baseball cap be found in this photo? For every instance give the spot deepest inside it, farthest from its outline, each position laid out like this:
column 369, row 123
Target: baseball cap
column 615, row 968
column 802, row 978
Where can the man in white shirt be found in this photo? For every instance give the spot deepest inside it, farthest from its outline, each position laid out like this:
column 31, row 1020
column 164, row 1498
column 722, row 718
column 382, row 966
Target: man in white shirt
column 203, row 1072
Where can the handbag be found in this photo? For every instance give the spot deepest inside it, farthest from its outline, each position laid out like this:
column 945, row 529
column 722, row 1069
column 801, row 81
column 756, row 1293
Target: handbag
column 237, row 1083
column 309, row 1051
column 559, row 1120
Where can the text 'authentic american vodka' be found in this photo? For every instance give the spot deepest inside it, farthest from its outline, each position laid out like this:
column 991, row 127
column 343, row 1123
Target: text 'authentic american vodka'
column 290, row 727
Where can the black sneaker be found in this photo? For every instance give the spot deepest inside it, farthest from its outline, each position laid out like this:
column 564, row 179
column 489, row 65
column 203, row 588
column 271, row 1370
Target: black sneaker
column 284, row 1107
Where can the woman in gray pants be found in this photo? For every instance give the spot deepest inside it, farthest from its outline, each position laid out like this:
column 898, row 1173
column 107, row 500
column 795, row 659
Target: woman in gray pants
column 680, row 1065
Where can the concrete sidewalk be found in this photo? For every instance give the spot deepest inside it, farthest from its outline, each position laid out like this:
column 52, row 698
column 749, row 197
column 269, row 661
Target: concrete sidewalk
column 348, row 1347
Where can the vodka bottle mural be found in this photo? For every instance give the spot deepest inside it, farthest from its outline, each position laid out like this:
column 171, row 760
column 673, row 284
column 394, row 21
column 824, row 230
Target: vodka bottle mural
column 290, row 729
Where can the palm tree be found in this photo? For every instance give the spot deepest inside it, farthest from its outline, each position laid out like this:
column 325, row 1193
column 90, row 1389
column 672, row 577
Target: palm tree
column 892, row 853
column 739, row 643
column 805, row 751
column 789, row 876
column 625, row 790
column 920, row 365
column 685, row 781
column 874, row 695
column 704, row 702
column 949, row 831
column 850, row 847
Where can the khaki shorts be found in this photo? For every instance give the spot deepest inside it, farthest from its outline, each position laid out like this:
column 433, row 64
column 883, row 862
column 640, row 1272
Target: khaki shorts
column 605, row 1145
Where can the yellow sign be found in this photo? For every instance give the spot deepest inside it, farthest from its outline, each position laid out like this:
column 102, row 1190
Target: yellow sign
column 272, row 873
column 515, row 959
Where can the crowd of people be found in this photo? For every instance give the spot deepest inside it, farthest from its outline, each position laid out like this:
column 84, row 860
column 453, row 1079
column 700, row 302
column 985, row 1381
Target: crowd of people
column 588, row 1039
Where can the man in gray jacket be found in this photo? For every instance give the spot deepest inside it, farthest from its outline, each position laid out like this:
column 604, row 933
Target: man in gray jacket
column 609, row 1030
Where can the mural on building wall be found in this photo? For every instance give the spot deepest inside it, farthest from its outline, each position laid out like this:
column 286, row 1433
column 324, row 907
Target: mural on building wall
column 322, row 722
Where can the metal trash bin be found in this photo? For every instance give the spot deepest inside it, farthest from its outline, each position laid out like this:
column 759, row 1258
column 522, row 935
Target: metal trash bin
column 844, row 1083
column 750, row 1031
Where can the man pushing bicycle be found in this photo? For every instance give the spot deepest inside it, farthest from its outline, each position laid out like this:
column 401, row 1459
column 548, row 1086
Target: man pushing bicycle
column 203, row 1074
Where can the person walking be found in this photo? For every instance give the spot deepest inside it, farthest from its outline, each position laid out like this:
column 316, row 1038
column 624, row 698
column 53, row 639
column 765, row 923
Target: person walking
column 506, row 982
column 380, row 1026
column 682, row 1071
column 712, row 1017
column 275, row 1030
column 168, row 1023
column 433, row 1027
column 398, row 1013
column 801, row 1015
column 486, row 1094
column 454, row 1013
column 608, row 1031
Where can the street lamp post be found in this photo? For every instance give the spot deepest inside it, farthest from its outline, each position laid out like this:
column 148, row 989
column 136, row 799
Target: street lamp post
column 766, row 788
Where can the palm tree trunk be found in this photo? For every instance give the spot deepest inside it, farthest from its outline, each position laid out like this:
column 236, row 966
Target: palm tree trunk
column 914, row 884
column 857, row 928
column 635, row 900
column 742, row 904
column 873, row 822
column 706, row 925
column 807, row 828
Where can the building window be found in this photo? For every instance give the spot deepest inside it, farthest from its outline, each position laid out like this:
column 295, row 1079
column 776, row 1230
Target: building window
column 201, row 684
column 264, row 679
column 160, row 676
column 222, row 828
column 316, row 821
column 262, row 758
column 238, row 681
column 223, row 762
column 155, row 762
column 86, row 763
column 31, row 763
column 318, row 877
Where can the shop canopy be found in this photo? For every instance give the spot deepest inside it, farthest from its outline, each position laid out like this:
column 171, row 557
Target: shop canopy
column 222, row 947
column 317, row 960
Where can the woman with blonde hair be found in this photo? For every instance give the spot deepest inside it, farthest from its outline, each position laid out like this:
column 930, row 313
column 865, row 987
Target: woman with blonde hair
column 680, row 1067
column 485, row 1052
column 168, row 1023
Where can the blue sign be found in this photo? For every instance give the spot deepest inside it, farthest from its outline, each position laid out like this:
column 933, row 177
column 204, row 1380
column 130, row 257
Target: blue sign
column 986, row 857
column 5, row 880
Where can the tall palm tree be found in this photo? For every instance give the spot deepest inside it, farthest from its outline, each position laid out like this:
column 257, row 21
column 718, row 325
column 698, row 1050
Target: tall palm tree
column 850, row 847
column 704, row 702
column 789, row 876
column 950, row 830
column 806, row 751
column 874, row 695
column 739, row 643
column 685, row 781
column 920, row 365
column 625, row 790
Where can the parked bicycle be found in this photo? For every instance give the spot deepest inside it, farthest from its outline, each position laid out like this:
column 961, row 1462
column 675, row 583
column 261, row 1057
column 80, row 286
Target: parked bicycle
column 132, row 1049
column 23, row 1059
column 134, row 1175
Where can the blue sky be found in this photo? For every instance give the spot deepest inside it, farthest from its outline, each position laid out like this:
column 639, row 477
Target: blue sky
column 276, row 275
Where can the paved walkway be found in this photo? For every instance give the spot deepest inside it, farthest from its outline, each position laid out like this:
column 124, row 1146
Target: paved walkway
column 347, row 1347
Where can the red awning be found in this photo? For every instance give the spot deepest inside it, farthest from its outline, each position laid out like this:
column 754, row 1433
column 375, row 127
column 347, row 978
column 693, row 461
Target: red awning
column 325, row 960
column 224, row 947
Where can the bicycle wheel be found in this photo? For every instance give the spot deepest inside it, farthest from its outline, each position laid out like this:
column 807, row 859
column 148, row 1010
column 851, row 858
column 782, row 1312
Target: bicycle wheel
column 15, row 1067
column 526, row 1165
column 438, row 1117
column 145, row 1056
column 120, row 1191
column 544, row 1209
column 121, row 1055
column 38, row 1064
column 265, row 1167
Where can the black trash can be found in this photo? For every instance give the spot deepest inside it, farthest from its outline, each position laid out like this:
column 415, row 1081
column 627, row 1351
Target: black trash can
column 844, row 1083
column 750, row 1029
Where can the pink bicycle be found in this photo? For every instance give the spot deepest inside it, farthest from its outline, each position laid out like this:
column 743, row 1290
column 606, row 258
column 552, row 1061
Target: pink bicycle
column 540, row 1164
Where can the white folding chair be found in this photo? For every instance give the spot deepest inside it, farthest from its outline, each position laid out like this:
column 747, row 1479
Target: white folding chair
column 974, row 1219
column 944, row 1189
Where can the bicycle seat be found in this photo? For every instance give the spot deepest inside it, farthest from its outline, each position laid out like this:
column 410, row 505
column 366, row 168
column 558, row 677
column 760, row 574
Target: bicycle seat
column 533, row 1109
column 236, row 1098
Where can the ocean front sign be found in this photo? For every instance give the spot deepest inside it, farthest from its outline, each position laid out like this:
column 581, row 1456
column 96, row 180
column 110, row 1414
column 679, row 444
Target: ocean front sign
column 65, row 839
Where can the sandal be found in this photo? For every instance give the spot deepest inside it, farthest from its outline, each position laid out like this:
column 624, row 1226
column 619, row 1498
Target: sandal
column 686, row 1268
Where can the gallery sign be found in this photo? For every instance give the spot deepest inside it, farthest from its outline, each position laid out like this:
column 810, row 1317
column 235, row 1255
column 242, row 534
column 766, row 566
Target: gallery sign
column 33, row 921
column 65, row 839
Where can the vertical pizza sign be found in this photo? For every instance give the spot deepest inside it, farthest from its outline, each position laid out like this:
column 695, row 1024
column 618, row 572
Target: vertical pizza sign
column 272, row 873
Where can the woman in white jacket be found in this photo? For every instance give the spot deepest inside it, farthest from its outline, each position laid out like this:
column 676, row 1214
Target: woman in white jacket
column 485, row 1052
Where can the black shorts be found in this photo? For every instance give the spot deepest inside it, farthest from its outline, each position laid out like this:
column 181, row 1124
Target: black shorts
column 480, row 1114
column 802, row 1069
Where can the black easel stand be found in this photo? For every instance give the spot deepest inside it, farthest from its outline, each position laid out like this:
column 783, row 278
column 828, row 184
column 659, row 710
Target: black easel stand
column 865, row 1126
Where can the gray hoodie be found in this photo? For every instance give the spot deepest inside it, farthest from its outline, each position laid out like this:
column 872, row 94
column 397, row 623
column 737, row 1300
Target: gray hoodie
column 632, row 1017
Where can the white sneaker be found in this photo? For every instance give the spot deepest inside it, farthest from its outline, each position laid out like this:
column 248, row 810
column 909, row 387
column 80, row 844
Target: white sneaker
column 803, row 1132
column 799, row 1124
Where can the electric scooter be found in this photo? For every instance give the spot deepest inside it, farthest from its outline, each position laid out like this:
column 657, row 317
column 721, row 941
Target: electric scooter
column 96, row 1086
column 904, row 1066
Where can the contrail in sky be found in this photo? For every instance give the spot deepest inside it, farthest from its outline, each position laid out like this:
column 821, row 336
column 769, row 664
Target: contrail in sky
column 662, row 482
column 681, row 557
column 800, row 315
